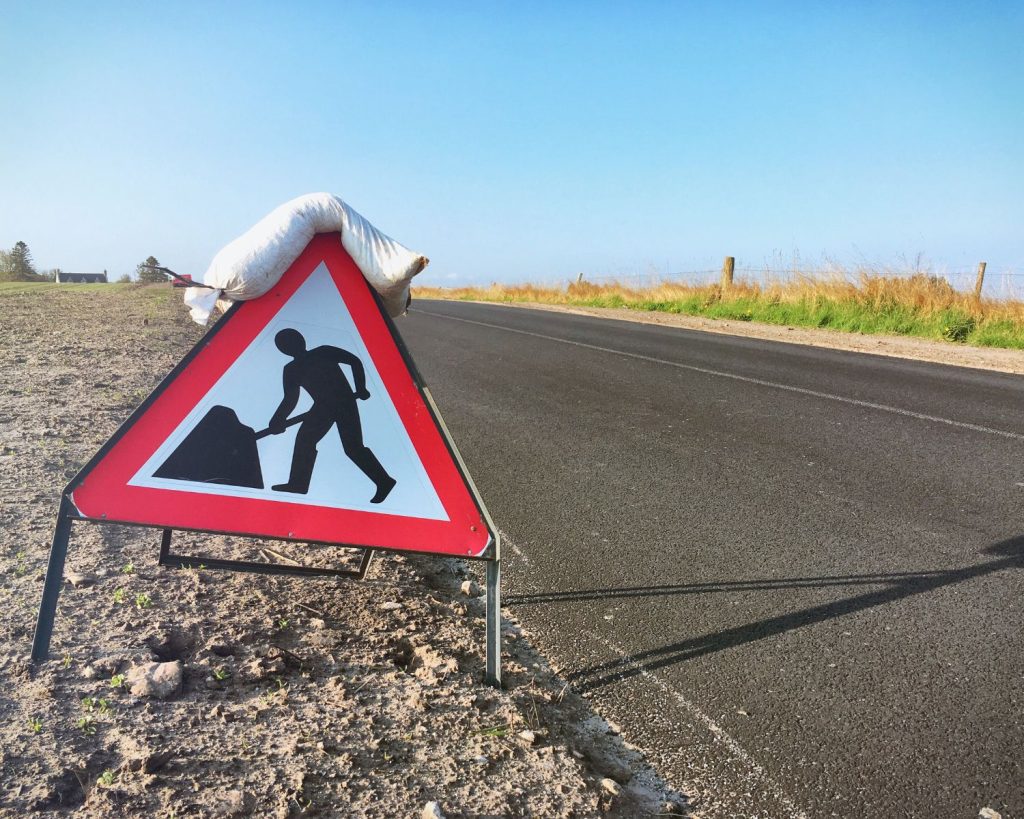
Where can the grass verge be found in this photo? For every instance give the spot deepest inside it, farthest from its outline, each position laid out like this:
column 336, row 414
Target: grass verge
column 41, row 288
column 918, row 305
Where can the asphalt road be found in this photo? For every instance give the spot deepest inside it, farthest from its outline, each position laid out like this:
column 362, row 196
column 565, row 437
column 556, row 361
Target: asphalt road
column 793, row 576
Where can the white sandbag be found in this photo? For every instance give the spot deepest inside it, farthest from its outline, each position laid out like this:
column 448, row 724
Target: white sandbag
column 255, row 261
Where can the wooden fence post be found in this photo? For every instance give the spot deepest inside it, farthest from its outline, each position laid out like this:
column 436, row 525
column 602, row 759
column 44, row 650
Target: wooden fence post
column 727, row 268
column 980, row 280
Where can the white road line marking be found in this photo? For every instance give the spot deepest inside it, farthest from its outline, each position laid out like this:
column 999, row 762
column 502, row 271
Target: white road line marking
column 716, row 730
column 746, row 379
column 507, row 541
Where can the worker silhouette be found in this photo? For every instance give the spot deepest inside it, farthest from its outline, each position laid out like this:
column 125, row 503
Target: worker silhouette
column 334, row 403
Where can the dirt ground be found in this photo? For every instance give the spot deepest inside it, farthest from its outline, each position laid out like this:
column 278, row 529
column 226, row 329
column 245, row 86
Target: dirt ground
column 918, row 349
column 299, row 696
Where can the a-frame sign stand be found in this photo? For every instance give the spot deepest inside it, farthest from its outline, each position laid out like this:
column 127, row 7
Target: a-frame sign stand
column 320, row 353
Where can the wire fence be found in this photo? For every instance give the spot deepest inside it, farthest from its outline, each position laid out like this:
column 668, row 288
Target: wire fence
column 1007, row 285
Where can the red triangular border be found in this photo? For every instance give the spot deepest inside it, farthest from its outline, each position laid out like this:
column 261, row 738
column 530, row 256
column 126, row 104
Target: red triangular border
column 101, row 491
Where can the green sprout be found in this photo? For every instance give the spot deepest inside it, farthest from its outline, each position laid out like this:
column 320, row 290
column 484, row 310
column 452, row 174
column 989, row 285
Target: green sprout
column 143, row 601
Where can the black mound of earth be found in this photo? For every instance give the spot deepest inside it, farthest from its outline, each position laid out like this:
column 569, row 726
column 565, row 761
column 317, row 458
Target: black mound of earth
column 221, row 449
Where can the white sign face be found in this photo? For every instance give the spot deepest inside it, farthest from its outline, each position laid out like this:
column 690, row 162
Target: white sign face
column 322, row 460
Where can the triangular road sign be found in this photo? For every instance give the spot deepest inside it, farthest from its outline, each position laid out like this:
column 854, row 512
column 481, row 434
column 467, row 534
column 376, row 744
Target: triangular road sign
column 299, row 416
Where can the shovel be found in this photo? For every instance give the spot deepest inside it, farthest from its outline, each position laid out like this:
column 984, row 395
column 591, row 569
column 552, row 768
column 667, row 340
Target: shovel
column 221, row 449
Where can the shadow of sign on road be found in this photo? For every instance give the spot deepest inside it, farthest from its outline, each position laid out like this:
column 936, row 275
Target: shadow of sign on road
column 1008, row 554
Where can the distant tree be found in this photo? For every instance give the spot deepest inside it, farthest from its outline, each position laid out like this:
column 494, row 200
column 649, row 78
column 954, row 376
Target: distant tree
column 21, row 263
column 6, row 267
column 146, row 275
column 50, row 275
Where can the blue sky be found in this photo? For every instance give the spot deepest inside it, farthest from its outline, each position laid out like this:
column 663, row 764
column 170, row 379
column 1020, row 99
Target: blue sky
column 520, row 141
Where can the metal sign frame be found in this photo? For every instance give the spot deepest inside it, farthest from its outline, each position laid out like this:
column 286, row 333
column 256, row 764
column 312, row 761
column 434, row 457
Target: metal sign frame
column 68, row 513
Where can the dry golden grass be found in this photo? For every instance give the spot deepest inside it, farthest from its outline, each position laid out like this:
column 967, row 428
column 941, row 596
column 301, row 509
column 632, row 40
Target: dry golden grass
column 868, row 302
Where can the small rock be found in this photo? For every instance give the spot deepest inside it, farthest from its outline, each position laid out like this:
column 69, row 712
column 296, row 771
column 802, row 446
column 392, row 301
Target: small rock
column 106, row 666
column 103, row 667
column 988, row 813
column 78, row 580
column 236, row 803
column 470, row 588
column 170, row 643
column 611, row 786
column 157, row 760
column 391, row 605
column 481, row 760
column 431, row 810
column 317, row 623
column 148, row 761
column 528, row 736
column 742, row 712
column 160, row 680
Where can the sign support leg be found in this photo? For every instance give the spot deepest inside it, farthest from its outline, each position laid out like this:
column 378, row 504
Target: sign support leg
column 52, row 584
column 165, row 546
column 493, row 617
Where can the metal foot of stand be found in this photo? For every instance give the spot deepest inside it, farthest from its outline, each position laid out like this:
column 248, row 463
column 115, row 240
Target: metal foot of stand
column 59, row 550
column 186, row 562
column 54, row 579
column 493, row 617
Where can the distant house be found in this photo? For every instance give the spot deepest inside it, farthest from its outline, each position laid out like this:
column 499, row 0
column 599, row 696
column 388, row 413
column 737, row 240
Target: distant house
column 179, row 283
column 81, row 278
